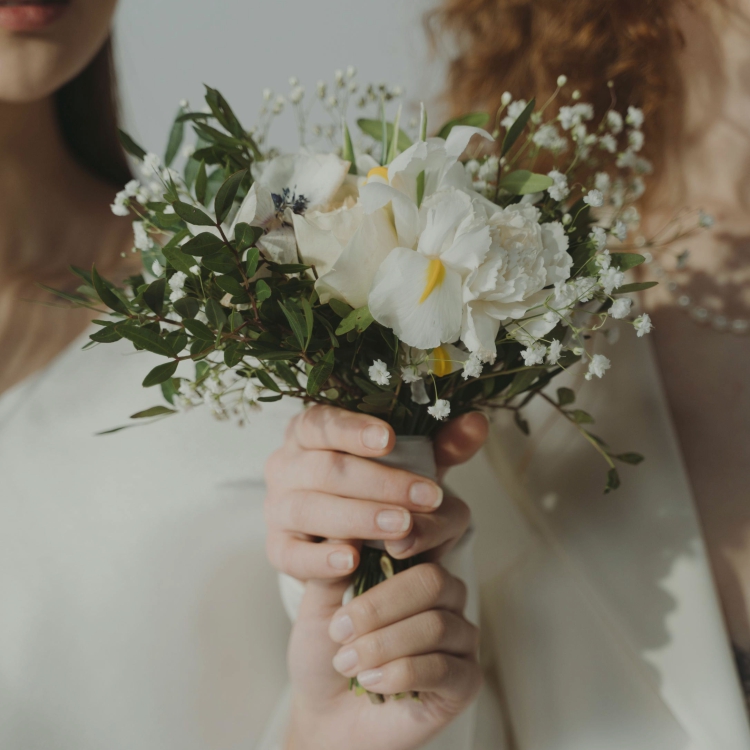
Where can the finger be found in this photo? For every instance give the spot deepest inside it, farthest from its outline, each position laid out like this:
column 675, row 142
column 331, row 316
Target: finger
column 318, row 514
column 304, row 559
column 461, row 438
column 434, row 532
column 329, row 428
column 412, row 591
column 436, row 630
column 351, row 476
column 452, row 677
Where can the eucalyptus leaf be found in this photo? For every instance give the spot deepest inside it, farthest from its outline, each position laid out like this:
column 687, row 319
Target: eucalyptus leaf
column 108, row 297
column 154, row 411
column 201, row 181
column 226, row 195
column 320, row 373
column 203, row 244
column 215, row 314
column 145, row 339
column 176, row 136
column 626, row 261
column 640, row 286
column 192, row 215
column 523, row 182
column 130, row 145
column 153, row 295
column 515, row 130
column 159, row 374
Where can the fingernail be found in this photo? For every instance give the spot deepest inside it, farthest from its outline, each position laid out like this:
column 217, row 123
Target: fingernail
column 370, row 677
column 341, row 628
column 345, row 661
column 399, row 546
column 393, row 520
column 341, row 560
column 375, row 437
column 425, row 494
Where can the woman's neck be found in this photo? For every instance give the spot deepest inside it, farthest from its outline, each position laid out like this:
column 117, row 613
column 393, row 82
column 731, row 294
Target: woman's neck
column 47, row 196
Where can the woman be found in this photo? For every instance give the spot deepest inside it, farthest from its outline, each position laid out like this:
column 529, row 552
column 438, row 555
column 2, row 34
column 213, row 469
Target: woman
column 137, row 607
column 602, row 624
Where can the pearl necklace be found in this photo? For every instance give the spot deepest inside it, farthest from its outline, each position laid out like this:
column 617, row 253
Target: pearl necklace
column 720, row 323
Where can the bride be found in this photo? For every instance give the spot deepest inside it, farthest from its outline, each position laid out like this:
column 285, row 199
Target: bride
column 136, row 608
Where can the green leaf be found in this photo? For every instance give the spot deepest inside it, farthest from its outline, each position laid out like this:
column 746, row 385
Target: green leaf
column 267, row 381
column 286, row 374
column 199, row 330
column 230, row 285
column 169, row 389
column 251, row 262
column 130, row 145
column 175, row 139
column 626, row 261
column 179, row 260
column 107, row 335
column 246, row 236
column 613, row 480
column 154, row 411
column 309, row 319
column 146, row 339
column 420, row 188
column 153, row 296
column 203, row 244
column 640, row 286
column 320, row 373
column 348, row 150
column 187, row 307
column 393, row 149
column 269, row 399
column 290, row 268
column 523, row 182
column 361, row 319
column 565, row 396
column 522, row 381
column 215, row 314
column 193, row 215
column 521, row 423
column 159, row 374
column 235, row 320
column 374, row 128
column 177, row 340
column 579, row 416
column 108, row 297
column 262, row 291
column 201, row 181
column 296, row 321
column 629, row 458
column 340, row 308
column 233, row 355
column 517, row 128
column 220, row 262
column 473, row 119
column 226, row 195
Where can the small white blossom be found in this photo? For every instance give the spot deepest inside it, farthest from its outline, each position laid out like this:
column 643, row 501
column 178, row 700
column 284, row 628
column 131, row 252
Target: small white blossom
column 296, row 95
column 548, row 137
column 554, row 352
column 598, row 365
column 602, row 182
column 119, row 208
column 151, row 165
column 378, row 372
column 562, row 80
column 594, row 198
column 636, row 140
column 251, row 392
column 599, row 236
column 472, row 167
column 267, row 95
column 576, row 95
column 611, row 279
column 706, row 221
column 472, row 367
column 534, row 355
column 620, row 307
column 571, row 117
column 176, row 284
column 157, row 269
column 620, row 231
column 604, row 260
column 409, row 374
column 141, row 240
column 635, row 117
column 614, row 120
column 643, row 325
column 608, row 143
column 440, row 409
column 351, row 71
column 559, row 189
column 294, row 81
column 195, row 269
column 506, row 98
column 566, row 219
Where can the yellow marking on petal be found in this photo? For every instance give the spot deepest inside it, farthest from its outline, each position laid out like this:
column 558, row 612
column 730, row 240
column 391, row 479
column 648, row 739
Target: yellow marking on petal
column 378, row 172
column 435, row 277
column 442, row 364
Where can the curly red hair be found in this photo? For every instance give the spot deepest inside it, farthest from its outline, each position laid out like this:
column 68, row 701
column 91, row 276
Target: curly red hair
column 522, row 46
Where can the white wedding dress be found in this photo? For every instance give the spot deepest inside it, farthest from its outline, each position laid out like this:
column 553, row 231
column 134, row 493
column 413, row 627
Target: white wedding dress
column 137, row 611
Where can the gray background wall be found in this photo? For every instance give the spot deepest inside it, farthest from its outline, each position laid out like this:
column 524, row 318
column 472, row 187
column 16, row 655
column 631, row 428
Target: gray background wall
column 168, row 48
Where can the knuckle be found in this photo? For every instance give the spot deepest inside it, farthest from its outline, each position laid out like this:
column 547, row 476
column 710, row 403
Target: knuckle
column 364, row 613
column 436, row 627
column 373, row 648
column 433, row 580
column 406, row 673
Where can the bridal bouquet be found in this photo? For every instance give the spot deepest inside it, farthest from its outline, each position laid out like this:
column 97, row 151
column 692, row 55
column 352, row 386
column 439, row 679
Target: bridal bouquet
column 411, row 277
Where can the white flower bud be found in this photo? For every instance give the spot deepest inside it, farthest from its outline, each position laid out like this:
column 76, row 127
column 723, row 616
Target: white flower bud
column 562, row 80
